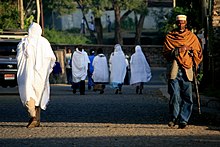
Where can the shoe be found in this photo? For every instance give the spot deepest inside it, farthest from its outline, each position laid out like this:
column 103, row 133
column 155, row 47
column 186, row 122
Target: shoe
column 182, row 125
column 32, row 123
column 119, row 90
column 74, row 91
column 116, row 92
column 172, row 124
column 89, row 87
column 101, row 92
column 140, row 91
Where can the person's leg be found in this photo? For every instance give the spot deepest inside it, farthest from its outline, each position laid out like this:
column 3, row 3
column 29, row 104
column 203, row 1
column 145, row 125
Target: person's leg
column 69, row 75
column 75, row 86
column 30, row 105
column 137, row 89
column 187, row 102
column 174, row 103
column 120, row 88
column 102, row 89
column 38, row 110
column 82, row 87
column 90, row 82
column 141, row 87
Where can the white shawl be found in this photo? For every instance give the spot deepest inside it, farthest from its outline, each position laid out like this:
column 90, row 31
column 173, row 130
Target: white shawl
column 118, row 64
column 80, row 61
column 140, row 69
column 35, row 60
column 101, row 72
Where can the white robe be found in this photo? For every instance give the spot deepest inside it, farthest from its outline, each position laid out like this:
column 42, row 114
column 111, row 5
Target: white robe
column 118, row 64
column 101, row 72
column 35, row 61
column 80, row 61
column 140, row 69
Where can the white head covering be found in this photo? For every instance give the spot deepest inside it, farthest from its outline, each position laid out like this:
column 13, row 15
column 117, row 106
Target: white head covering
column 118, row 49
column 118, row 65
column 34, row 30
column 181, row 17
column 140, row 69
column 35, row 59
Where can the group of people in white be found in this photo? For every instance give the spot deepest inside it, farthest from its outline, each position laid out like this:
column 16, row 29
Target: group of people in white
column 112, row 72
column 36, row 59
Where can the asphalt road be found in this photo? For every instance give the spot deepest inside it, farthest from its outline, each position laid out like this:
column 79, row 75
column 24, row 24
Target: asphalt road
column 93, row 119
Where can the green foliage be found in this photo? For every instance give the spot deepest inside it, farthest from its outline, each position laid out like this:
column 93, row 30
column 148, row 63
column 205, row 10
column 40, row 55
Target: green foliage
column 167, row 24
column 142, row 8
column 128, row 24
column 59, row 6
column 58, row 37
column 97, row 7
column 130, row 4
column 28, row 21
column 9, row 15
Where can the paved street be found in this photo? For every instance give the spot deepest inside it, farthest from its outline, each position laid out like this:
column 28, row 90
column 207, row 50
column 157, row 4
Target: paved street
column 103, row 120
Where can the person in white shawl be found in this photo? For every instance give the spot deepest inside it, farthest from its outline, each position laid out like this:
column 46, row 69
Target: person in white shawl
column 118, row 64
column 101, row 72
column 35, row 61
column 140, row 70
column 80, row 61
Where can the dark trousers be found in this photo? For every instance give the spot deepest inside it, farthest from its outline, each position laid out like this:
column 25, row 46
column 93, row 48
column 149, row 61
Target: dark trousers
column 80, row 85
column 69, row 75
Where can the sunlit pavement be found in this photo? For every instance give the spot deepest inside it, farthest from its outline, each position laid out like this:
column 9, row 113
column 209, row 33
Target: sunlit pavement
column 105, row 119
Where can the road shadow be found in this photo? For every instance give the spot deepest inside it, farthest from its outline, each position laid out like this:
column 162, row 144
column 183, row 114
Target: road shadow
column 128, row 141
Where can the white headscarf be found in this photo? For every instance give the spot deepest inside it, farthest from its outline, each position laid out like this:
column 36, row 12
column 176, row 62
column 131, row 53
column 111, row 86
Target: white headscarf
column 140, row 69
column 35, row 59
column 118, row 65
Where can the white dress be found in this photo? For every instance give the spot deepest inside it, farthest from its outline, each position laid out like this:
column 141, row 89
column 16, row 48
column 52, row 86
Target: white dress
column 140, row 69
column 118, row 64
column 35, row 61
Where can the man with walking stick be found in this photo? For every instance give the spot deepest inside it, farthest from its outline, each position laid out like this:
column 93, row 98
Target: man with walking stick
column 179, row 46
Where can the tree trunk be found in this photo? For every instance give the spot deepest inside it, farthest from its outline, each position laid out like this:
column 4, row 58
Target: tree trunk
column 98, row 28
column 125, row 15
column 118, row 38
column 139, row 28
column 83, row 13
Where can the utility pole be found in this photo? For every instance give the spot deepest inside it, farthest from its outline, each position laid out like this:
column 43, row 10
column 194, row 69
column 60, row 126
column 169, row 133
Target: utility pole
column 38, row 11
column 21, row 11
column 174, row 3
column 42, row 16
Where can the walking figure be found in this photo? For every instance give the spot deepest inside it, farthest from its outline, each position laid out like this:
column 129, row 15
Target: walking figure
column 179, row 46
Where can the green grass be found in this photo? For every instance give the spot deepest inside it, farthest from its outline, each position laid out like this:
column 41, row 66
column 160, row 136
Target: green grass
column 65, row 37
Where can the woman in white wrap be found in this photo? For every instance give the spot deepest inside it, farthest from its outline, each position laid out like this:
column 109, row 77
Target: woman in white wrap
column 101, row 73
column 140, row 70
column 118, row 64
column 35, row 61
column 80, row 61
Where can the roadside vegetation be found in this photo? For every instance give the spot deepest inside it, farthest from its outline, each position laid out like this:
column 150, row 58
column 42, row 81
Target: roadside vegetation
column 65, row 37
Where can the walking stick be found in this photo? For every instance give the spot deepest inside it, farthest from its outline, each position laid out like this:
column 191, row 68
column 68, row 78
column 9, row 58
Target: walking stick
column 196, row 83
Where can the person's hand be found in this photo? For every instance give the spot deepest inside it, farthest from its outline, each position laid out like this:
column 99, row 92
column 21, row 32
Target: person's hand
column 184, row 48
